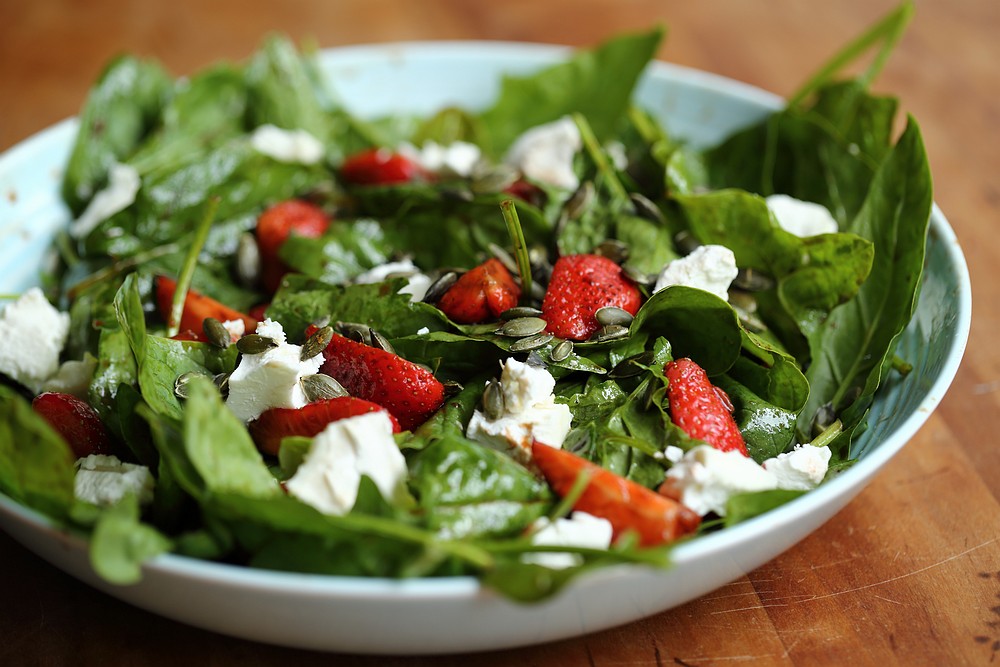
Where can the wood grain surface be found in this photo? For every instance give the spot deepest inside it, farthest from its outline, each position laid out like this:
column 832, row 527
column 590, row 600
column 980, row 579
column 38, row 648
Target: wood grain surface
column 908, row 573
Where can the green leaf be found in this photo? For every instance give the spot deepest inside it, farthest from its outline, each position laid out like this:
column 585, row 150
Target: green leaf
column 121, row 543
column 743, row 506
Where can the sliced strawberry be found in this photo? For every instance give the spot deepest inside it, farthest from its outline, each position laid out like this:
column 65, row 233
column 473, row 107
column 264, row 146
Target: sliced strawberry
column 481, row 294
column 77, row 423
column 259, row 312
column 277, row 423
column 701, row 409
column 275, row 225
column 197, row 307
column 581, row 284
column 408, row 391
column 525, row 191
column 627, row 505
column 378, row 166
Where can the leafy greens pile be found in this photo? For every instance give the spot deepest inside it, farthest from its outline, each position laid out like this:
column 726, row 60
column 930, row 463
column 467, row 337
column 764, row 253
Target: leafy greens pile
column 826, row 323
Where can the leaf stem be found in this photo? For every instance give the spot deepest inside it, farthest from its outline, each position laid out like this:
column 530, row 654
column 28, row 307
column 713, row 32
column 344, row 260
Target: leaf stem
column 509, row 211
column 600, row 159
column 828, row 435
column 120, row 266
column 187, row 269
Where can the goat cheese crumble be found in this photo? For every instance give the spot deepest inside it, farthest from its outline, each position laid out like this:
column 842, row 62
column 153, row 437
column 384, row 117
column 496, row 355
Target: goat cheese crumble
column 117, row 195
column 801, row 469
column 293, row 146
column 340, row 455
column 104, row 480
column 710, row 267
column 34, row 333
column 545, row 153
column 270, row 379
column 457, row 158
column 530, row 412
column 802, row 218
column 579, row 530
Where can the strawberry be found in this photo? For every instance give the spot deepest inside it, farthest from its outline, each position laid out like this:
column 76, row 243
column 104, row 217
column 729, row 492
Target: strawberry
column 627, row 505
column 275, row 225
column 481, row 294
column 276, row 423
column 197, row 307
column 581, row 284
column 409, row 392
column 527, row 192
column 77, row 423
column 701, row 409
column 378, row 166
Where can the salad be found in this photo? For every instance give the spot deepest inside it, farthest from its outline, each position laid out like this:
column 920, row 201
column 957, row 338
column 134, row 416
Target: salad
column 518, row 342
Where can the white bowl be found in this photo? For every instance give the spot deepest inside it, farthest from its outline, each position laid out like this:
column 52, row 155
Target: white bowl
column 426, row 616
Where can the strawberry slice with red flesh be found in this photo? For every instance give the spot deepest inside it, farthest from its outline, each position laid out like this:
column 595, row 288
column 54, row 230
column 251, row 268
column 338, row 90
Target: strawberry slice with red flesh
column 409, row 392
column 76, row 421
column 580, row 285
column 275, row 225
column 701, row 409
column 197, row 307
column 277, row 423
column 628, row 506
column 378, row 166
column 481, row 294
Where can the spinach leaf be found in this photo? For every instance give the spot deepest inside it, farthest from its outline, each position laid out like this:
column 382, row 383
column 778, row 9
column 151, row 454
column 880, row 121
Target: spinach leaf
column 767, row 429
column 345, row 251
column 121, row 543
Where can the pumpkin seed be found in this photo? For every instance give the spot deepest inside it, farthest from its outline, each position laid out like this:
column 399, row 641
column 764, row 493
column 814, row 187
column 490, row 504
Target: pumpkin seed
column 535, row 359
column 456, row 193
column 646, row 208
column 649, row 394
column 753, row 281
column 541, row 267
column 248, row 260
column 561, row 351
column 437, row 288
column 216, row 333
column 537, row 291
column 493, row 400
column 520, row 327
column 639, row 277
column 632, row 366
column 355, row 331
column 613, row 315
column 531, row 342
column 379, row 341
column 825, row 416
column 609, row 332
column 580, row 200
column 505, row 258
column 614, row 250
column 451, row 387
column 321, row 386
column 316, row 343
column 495, row 178
column 520, row 311
column 182, row 381
column 686, row 243
column 255, row 344
column 221, row 381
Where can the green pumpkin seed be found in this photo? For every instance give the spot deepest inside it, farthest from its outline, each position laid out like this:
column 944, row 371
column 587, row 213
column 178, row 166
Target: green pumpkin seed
column 521, row 327
column 561, row 351
column 216, row 333
column 455, row 193
column 255, row 344
column 379, row 341
column 609, row 332
column 359, row 333
column 493, row 400
column 686, row 243
column 613, row 315
column 614, row 250
column 452, row 388
column 321, row 386
column 753, row 281
column 495, row 178
column 645, row 208
column 531, row 342
column 580, row 200
column 505, row 258
column 316, row 343
column 437, row 288
column 520, row 311
column 639, row 277
column 221, row 381
column 182, row 381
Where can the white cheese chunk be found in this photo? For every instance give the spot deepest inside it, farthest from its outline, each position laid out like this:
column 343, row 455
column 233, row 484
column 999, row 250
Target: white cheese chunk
column 710, row 267
column 545, row 153
column 340, row 455
column 270, row 379
column 417, row 282
column 293, row 146
column 457, row 158
column 118, row 195
column 104, row 480
column 34, row 333
column 802, row 218
column 707, row 477
column 236, row 328
column 801, row 469
column 530, row 413
column 73, row 377
column 579, row 530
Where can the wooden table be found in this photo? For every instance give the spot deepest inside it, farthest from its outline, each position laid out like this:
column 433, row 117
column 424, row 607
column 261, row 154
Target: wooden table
column 909, row 573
